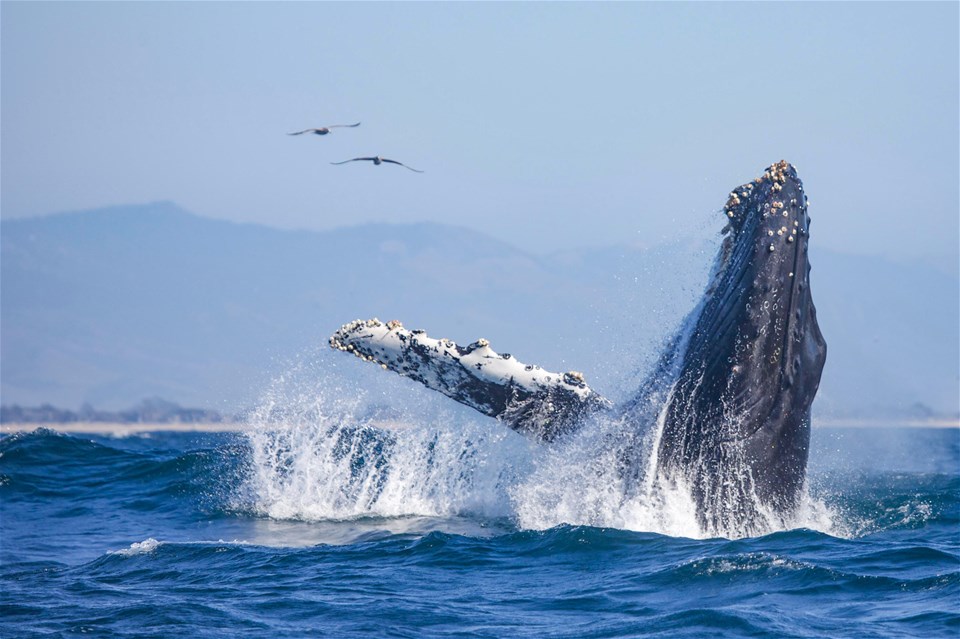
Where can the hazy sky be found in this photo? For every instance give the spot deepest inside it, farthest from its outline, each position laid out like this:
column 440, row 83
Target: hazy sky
column 547, row 125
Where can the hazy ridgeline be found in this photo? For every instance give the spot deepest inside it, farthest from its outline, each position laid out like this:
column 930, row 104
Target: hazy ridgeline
column 109, row 306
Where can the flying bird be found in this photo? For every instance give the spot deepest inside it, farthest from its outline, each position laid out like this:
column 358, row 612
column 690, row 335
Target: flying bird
column 324, row 129
column 377, row 160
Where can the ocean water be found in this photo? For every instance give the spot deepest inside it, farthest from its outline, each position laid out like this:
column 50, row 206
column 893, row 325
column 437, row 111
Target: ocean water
column 326, row 523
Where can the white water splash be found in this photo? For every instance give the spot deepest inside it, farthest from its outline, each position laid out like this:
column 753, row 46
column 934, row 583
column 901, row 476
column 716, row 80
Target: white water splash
column 595, row 494
column 331, row 448
column 334, row 452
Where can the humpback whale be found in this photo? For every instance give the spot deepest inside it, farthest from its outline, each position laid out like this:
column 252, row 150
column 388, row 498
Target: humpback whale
column 725, row 415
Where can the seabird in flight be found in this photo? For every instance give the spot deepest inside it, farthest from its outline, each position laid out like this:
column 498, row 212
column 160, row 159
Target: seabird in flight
column 324, row 129
column 379, row 160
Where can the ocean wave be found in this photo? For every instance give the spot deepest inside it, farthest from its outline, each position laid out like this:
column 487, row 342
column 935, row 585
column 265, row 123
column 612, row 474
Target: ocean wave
column 566, row 581
column 50, row 466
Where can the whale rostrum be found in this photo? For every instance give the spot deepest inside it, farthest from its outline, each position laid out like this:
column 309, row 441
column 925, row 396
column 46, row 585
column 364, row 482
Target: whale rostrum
column 729, row 402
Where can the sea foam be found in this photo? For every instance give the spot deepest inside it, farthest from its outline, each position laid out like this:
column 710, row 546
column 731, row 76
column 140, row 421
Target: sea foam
column 330, row 447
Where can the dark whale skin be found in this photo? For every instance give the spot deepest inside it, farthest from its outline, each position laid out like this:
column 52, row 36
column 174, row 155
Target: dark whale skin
column 736, row 429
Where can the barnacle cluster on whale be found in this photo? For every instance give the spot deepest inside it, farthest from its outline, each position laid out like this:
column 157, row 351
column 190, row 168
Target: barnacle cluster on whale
column 530, row 399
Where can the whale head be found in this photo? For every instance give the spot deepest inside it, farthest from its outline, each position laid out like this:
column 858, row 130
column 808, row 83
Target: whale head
column 736, row 427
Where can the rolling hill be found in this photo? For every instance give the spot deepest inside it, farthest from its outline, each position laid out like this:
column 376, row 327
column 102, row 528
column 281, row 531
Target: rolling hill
column 109, row 306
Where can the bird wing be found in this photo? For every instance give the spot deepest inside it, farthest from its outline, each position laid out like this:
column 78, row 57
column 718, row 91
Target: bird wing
column 354, row 160
column 401, row 164
column 343, row 125
column 302, row 132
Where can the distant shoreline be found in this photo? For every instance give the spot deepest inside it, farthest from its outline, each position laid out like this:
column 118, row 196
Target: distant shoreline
column 886, row 423
column 117, row 428
column 124, row 429
column 857, row 422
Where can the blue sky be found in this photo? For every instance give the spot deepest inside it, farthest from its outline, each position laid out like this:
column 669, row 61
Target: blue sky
column 546, row 125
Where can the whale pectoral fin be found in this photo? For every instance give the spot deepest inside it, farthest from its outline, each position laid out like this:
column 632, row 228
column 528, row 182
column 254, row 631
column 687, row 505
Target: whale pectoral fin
column 527, row 399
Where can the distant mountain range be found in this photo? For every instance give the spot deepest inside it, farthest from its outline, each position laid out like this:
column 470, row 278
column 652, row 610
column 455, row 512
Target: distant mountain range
column 105, row 307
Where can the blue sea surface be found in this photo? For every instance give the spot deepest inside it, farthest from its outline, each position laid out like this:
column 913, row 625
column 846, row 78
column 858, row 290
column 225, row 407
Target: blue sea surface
column 160, row 535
